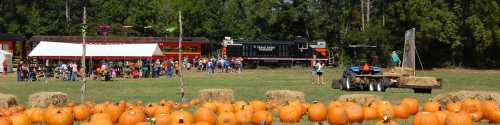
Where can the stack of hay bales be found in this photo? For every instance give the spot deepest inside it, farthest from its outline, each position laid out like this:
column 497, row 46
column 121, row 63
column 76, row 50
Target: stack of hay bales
column 284, row 96
column 360, row 98
column 7, row 100
column 459, row 96
column 222, row 95
column 44, row 99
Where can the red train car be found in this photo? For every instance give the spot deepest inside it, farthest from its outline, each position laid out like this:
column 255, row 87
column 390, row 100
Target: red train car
column 191, row 46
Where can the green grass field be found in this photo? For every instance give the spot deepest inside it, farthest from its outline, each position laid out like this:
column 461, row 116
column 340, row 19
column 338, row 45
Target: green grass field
column 249, row 85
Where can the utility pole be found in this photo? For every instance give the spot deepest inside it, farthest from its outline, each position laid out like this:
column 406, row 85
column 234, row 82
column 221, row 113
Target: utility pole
column 182, row 93
column 362, row 7
column 83, row 88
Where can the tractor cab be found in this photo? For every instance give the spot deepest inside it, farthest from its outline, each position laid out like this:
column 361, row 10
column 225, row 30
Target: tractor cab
column 364, row 60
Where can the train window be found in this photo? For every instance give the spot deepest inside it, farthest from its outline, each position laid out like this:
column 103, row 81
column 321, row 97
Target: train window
column 303, row 45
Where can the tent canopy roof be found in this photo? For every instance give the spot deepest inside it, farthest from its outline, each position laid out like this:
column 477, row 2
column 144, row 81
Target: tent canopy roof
column 58, row 49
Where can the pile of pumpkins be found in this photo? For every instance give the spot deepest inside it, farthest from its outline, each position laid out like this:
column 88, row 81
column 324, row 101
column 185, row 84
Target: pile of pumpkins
column 255, row 112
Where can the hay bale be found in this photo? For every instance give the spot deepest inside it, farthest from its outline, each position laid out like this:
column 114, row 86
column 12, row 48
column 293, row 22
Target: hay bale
column 216, row 95
column 284, row 96
column 44, row 99
column 420, row 81
column 7, row 100
column 462, row 95
column 360, row 98
column 399, row 71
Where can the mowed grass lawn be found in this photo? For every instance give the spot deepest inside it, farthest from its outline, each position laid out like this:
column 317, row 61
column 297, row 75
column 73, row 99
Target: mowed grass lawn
column 249, row 85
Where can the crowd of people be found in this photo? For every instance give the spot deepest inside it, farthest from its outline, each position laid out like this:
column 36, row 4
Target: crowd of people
column 111, row 69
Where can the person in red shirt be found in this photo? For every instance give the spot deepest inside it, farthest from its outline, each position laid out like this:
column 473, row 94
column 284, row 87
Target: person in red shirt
column 5, row 66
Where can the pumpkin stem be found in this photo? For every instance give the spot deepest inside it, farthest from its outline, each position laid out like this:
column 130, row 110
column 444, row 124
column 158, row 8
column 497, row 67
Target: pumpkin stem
column 181, row 120
column 386, row 119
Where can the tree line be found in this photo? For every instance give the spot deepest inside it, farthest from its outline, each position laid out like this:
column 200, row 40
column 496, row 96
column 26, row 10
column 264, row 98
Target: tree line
column 462, row 33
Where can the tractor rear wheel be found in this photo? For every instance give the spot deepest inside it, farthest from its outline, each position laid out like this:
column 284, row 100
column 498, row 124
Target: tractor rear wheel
column 348, row 85
column 371, row 85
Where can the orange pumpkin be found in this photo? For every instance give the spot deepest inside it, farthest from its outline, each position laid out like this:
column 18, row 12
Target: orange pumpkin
column 369, row 113
column 36, row 115
column 204, row 115
column 100, row 122
column 354, row 112
column 131, row 117
column 195, row 101
column 239, row 105
column 181, row 118
column 458, row 118
column 115, row 112
column 71, row 104
column 302, row 107
column 59, row 116
column 244, row 116
column 82, row 112
column 101, row 117
column 143, row 123
column 384, row 109
column 337, row 115
column 425, row 118
column 20, row 108
column 262, row 116
column 488, row 108
column 6, row 121
column 162, row 109
column 122, row 105
column 431, row 106
column 202, row 123
column 401, row 111
column 453, row 107
column 495, row 116
column 20, row 119
column 210, row 105
column 317, row 112
column 226, row 118
column 225, row 107
column 98, row 108
column 258, row 105
column 473, row 107
column 162, row 119
column 441, row 116
column 412, row 104
column 150, row 109
column 290, row 114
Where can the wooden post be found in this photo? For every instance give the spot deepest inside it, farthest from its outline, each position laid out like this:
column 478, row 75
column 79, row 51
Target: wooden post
column 182, row 91
column 83, row 89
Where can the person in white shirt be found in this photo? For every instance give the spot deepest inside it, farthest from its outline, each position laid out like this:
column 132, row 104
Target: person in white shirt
column 319, row 72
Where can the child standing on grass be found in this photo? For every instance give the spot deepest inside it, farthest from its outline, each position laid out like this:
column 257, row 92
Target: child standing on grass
column 319, row 72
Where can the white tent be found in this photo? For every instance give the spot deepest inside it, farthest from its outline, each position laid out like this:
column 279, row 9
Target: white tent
column 58, row 49
column 5, row 56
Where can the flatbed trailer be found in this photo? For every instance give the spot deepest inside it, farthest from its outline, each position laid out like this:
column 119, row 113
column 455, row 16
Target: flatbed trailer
column 381, row 82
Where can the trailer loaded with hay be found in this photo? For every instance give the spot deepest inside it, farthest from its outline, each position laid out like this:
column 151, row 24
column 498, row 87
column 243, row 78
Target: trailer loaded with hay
column 361, row 75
